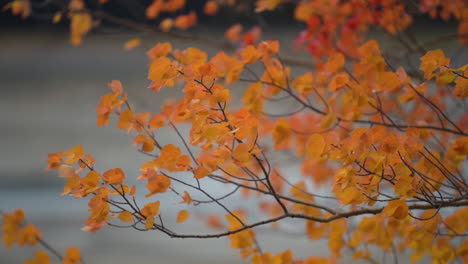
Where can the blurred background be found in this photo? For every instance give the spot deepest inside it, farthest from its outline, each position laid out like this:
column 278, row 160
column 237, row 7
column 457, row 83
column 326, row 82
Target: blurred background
column 50, row 90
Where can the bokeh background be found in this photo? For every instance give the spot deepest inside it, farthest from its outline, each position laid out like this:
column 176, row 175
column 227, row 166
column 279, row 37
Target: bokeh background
column 49, row 91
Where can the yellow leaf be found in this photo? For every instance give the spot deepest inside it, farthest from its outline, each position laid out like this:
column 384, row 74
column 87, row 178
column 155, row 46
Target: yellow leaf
column 304, row 83
column 211, row 8
column 57, row 17
column 461, row 86
column 149, row 222
column 328, row 120
column 114, row 176
column 263, row 5
column 250, row 54
column 335, row 62
column 186, row 198
column 281, row 134
column 29, row 235
column 315, row 146
column 338, row 82
column 126, row 216
column 72, row 256
column 66, row 171
column 133, row 43
column 431, row 61
column 445, row 78
column 242, row 155
column 41, row 257
column 183, row 216
column 397, row 209
column 73, row 155
column 166, row 24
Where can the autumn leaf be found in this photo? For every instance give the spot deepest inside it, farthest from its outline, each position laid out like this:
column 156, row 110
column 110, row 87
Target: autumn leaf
column 182, row 216
column 211, row 8
column 432, row 61
column 397, row 209
column 303, row 83
column 338, row 82
column 242, row 155
column 41, row 257
column 186, row 198
column 19, row 7
column 114, row 176
column 263, row 5
column 153, row 10
column 126, row 216
column 268, row 48
column 149, row 211
column 72, row 256
column 66, row 171
column 80, row 22
column 233, row 33
column 29, row 235
column 461, row 86
column 73, row 155
column 133, row 43
column 185, row 22
column 281, row 134
column 157, row 184
column 328, row 120
column 315, row 146
column 335, row 62
column 171, row 159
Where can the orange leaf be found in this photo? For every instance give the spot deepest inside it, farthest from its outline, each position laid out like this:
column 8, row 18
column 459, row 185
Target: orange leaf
column 304, row 83
column 73, row 155
column 281, row 134
column 166, row 25
column 335, row 62
column 115, row 86
column 66, row 171
column 151, row 209
column 182, row 216
column 186, row 21
column 338, row 82
column 153, row 10
column 72, row 256
column 263, row 5
column 315, row 146
column 233, row 33
column 211, row 8
column 396, row 208
column 328, row 120
column 126, row 216
column 186, row 198
column 126, row 120
column 29, row 235
column 214, row 221
column 114, row 176
column 242, row 155
column 159, row 50
column 40, row 257
column 390, row 143
column 461, row 86
column 158, row 184
column 268, row 47
column 250, row 54
column 431, row 61
column 133, row 43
